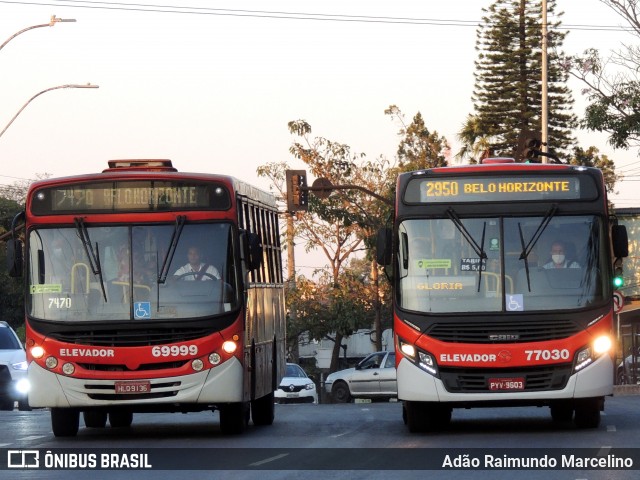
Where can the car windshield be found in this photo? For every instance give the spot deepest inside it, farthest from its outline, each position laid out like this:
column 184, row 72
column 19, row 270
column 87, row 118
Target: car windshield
column 295, row 371
column 8, row 340
column 160, row 272
column 495, row 264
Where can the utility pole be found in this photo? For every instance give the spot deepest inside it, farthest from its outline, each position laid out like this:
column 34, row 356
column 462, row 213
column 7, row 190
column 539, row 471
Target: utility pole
column 544, row 132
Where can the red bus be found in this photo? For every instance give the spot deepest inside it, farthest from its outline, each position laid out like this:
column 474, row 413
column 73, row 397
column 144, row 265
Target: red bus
column 151, row 290
column 503, row 295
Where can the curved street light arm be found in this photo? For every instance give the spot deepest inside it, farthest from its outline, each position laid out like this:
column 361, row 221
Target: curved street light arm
column 88, row 85
column 51, row 23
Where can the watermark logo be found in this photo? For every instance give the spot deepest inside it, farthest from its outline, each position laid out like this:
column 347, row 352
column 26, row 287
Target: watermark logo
column 23, row 459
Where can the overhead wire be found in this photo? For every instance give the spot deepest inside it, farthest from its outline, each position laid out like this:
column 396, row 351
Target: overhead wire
column 192, row 10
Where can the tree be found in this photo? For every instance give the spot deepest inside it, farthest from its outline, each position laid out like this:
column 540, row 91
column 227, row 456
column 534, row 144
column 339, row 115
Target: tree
column 507, row 91
column 11, row 294
column 612, row 85
column 591, row 158
column 418, row 148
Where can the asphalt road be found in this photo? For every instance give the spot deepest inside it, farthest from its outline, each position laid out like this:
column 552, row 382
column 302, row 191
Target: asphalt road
column 354, row 441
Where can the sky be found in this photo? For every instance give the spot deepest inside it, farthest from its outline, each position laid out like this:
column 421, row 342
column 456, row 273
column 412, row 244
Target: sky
column 211, row 85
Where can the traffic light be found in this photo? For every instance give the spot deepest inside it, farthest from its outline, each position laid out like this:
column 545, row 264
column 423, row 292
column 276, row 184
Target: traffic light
column 297, row 190
column 618, row 278
column 531, row 151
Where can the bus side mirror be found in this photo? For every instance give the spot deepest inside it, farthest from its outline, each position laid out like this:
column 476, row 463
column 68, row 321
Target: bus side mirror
column 383, row 247
column 14, row 258
column 252, row 250
column 620, row 241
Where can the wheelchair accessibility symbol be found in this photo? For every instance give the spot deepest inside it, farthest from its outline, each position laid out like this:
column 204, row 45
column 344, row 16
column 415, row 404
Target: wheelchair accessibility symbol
column 515, row 303
column 141, row 310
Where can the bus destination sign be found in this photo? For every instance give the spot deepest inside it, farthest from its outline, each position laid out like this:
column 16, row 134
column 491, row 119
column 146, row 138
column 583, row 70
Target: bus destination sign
column 499, row 189
column 130, row 196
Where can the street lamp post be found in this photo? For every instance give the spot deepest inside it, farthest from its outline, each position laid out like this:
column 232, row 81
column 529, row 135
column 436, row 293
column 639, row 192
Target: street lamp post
column 88, row 85
column 51, row 23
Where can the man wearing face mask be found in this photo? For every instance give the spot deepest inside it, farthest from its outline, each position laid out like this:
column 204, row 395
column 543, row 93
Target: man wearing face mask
column 558, row 258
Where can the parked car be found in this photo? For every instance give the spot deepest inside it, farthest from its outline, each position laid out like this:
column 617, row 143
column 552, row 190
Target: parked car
column 629, row 370
column 14, row 384
column 374, row 377
column 296, row 386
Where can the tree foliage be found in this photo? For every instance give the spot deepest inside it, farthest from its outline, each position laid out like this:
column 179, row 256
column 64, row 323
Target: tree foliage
column 612, row 85
column 507, row 91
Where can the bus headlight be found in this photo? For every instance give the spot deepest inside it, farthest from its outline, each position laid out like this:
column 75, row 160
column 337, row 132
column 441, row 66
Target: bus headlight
column 424, row 360
column 51, row 362
column 588, row 354
column 229, row 346
column 37, row 351
column 602, row 345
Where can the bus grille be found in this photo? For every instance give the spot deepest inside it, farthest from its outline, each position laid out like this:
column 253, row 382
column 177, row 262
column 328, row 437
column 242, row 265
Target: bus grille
column 503, row 332
column 130, row 338
column 475, row 380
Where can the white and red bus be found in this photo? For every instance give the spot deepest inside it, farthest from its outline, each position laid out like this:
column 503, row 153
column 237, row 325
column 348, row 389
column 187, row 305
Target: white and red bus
column 483, row 315
column 151, row 290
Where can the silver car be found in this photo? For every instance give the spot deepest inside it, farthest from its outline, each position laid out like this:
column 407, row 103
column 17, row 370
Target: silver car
column 374, row 378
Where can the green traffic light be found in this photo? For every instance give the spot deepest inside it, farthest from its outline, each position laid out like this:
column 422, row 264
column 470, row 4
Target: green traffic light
column 618, row 282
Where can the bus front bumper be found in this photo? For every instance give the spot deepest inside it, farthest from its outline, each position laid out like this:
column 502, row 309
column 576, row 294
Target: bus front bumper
column 222, row 384
column 414, row 384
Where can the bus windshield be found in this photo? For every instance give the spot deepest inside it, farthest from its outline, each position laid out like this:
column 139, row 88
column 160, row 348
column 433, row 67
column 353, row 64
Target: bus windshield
column 502, row 264
column 89, row 273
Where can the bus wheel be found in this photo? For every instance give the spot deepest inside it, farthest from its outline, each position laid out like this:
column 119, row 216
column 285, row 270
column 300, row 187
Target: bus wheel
column 94, row 418
column 7, row 404
column 562, row 411
column 65, row 422
column 120, row 418
column 262, row 410
column 234, row 417
column 587, row 412
column 340, row 393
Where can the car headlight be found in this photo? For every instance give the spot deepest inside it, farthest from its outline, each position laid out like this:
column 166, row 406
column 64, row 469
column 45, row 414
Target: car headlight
column 23, row 386
column 20, row 365
column 310, row 386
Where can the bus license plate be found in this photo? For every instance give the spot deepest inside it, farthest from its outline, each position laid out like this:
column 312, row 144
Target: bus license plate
column 508, row 384
column 133, row 387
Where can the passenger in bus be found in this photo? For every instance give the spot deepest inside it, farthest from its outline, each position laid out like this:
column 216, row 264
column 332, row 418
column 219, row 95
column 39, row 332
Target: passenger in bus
column 195, row 269
column 559, row 257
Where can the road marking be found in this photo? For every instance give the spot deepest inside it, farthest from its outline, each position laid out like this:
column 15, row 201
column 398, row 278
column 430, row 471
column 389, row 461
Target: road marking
column 604, row 451
column 267, row 460
column 2, row 445
column 32, row 437
column 611, row 428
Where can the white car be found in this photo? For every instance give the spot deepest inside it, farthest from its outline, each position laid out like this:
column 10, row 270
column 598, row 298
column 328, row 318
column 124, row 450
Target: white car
column 374, row 377
column 296, row 387
column 14, row 384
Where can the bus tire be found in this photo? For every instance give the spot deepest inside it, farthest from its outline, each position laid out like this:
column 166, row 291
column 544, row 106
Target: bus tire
column 340, row 392
column 263, row 410
column 7, row 404
column 120, row 418
column 562, row 411
column 588, row 412
column 95, row 418
column 65, row 422
column 234, row 418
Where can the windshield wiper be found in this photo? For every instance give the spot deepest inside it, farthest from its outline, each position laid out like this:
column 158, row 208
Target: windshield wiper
column 478, row 249
column 177, row 231
column 526, row 249
column 92, row 255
